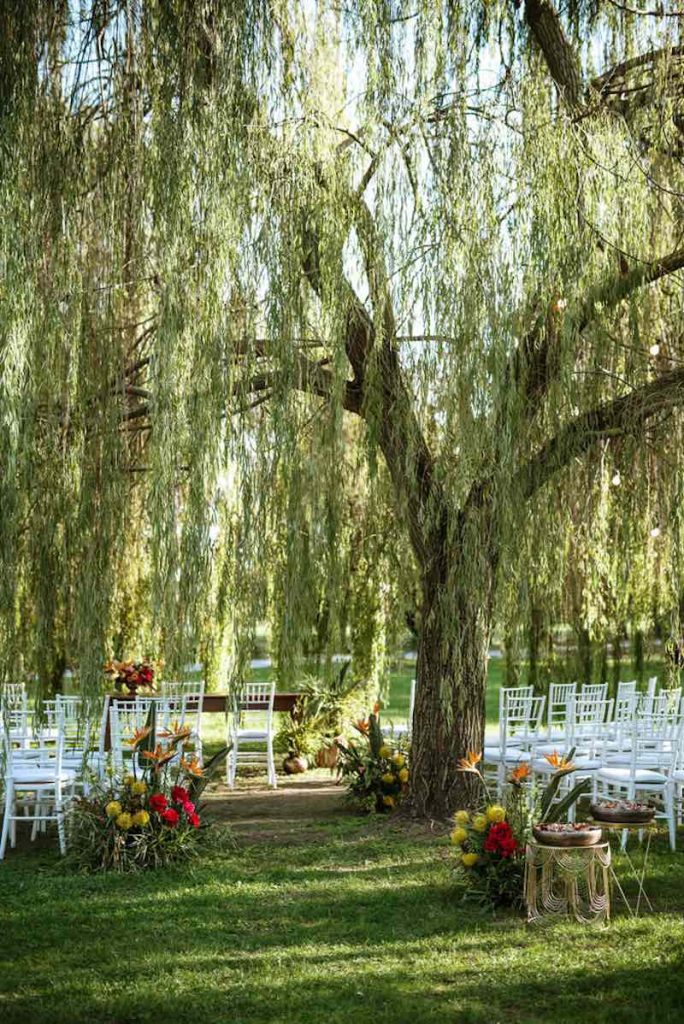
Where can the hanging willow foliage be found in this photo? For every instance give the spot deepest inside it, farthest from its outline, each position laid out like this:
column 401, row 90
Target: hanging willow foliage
column 308, row 308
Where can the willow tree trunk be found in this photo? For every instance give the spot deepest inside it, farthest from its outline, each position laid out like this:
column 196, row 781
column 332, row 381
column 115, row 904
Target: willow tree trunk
column 451, row 680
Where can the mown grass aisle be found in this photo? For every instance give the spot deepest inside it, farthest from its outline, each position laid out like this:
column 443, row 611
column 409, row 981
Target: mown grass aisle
column 320, row 920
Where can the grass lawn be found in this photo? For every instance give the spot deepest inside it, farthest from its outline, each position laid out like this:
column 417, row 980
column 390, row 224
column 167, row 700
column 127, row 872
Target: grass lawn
column 318, row 922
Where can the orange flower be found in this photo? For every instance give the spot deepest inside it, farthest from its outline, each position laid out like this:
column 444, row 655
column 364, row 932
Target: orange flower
column 176, row 733
column 191, row 765
column 469, row 763
column 376, row 708
column 559, row 762
column 362, row 725
column 523, row 771
column 138, row 736
column 159, row 755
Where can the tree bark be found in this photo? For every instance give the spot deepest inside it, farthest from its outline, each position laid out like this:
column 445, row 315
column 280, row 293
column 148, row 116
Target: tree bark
column 449, row 713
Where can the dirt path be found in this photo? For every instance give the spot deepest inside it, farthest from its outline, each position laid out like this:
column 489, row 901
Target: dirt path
column 299, row 804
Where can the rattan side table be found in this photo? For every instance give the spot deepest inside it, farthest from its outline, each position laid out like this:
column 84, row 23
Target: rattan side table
column 567, row 881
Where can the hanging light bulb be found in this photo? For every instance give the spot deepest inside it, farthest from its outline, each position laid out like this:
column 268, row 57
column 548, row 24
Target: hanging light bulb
column 655, row 532
column 654, row 349
column 617, row 479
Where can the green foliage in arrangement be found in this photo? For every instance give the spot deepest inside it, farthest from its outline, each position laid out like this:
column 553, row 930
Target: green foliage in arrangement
column 374, row 767
column 150, row 818
column 491, row 839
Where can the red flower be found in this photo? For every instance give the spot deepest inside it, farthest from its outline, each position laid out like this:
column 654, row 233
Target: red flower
column 179, row 794
column 170, row 817
column 158, row 802
column 189, row 808
column 194, row 820
column 500, row 839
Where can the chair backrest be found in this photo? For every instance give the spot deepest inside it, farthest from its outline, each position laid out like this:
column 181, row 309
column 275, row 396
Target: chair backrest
column 597, row 690
column 78, row 725
column 559, row 705
column 522, row 717
column 255, row 697
column 47, row 742
column 647, row 698
column 512, row 701
column 656, row 739
column 590, row 715
column 625, row 689
column 192, row 692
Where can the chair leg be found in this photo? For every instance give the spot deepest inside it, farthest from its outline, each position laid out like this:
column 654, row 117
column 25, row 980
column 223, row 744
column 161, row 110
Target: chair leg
column 9, row 804
column 668, row 800
column 272, row 777
column 59, row 813
column 231, row 767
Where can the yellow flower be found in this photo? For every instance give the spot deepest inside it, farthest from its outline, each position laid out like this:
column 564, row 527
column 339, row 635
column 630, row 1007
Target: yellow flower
column 495, row 813
column 129, row 780
column 461, row 817
column 141, row 818
column 139, row 787
column 399, row 760
column 124, row 821
column 113, row 809
column 388, row 778
column 459, row 836
column 404, row 775
column 480, row 822
column 384, row 751
column 469, row 860
column 388, row 801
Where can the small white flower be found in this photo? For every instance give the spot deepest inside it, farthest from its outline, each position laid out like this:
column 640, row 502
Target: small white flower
column 655, row 532
column 617, row 479
column 654, row 349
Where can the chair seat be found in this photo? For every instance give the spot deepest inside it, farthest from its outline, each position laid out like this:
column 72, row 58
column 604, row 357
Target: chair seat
column 642, row 777
column 557, row 748
column 395, row 730
column 23, row 776
column 252, row 734
column 582, row 764
column 625, row 760
column 511, row 755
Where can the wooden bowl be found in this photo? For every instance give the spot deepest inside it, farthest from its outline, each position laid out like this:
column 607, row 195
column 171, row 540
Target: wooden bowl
column 622, row 815
column 588, row 836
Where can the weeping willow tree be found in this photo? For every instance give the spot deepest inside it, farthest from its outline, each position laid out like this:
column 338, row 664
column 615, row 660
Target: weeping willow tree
column 305, row 306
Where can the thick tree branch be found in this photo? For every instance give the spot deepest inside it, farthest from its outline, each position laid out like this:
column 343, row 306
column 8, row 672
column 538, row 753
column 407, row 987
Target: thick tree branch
column 545, row 25
column 607, row 294
column 619, row 418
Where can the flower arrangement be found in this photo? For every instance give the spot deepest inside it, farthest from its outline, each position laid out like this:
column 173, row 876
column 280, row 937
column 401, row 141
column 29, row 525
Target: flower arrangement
column 376, row 773
column 151, row 817
column 135, row 677
column 491, row 840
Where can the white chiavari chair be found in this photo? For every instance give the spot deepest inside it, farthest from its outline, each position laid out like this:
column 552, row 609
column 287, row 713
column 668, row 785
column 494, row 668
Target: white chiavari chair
column 520, row 730
column 38, row 784
column 655, row 743
column 257, row 697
